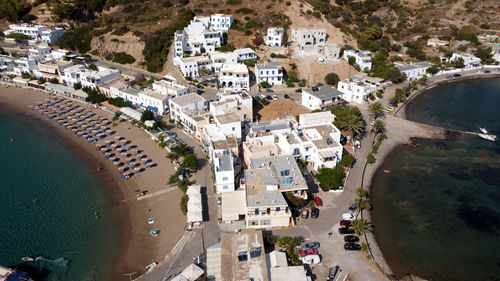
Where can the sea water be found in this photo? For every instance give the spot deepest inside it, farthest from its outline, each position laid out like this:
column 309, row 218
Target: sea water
column 47, row 202
column 437, row 213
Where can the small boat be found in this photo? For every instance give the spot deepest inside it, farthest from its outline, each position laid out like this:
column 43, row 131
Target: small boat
column 151, row 266
column 483, row 130
column 151, row 221
column 28, row 258
column 488, row 137
column 387, row 171
column 154, row 232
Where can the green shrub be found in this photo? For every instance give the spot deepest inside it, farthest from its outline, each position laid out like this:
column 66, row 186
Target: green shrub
column 347, row 160
column 183, row 204
column 370, row 158
column 331, row 178
column 119, row 102
column 77, row 39
column 332, row 79
column 123, row 58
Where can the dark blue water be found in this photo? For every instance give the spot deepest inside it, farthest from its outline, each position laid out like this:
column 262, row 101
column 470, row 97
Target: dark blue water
column 46, row 193
column 437, row 214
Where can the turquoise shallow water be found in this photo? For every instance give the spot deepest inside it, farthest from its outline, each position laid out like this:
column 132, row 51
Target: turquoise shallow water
column 47, row 191
column 437, row 214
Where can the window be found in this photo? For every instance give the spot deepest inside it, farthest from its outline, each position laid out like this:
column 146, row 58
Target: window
column 278, row 209
column 296, row 151
column 224, row 178
column 285, row 173
column 242, row 256
column 255, row 252
column 233, row 128
column 256, row 211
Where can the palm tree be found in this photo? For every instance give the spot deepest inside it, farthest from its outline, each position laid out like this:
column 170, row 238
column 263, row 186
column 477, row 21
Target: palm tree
column 379, row 127
column 353, row 125
column 361, row 226
column 376, row 109
column 363, row 204
column 362, row 193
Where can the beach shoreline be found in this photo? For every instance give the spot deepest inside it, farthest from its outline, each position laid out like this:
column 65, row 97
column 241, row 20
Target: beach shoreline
column 405, row 137
column 136, row 248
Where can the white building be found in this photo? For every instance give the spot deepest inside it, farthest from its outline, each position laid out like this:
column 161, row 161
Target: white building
column 274, row 36
column 436, row 42
column 38, row 53
column 88, row 78
column 332, row 51
column 52, row 69
column 52, row 35
column 363, row 58
column 469, row 59
column 221, row 22
column 191, row 66
column 169, row 87
column 34, row 31
column 217, row 59
column 264, row 183
column 414, row 70
column 245, row 54
column 24, row 65
column 271, row 73
column 306, row 38
column 224, row 171
column 356, row 89
column 320, row 97
column 197, row 38
column 234, row 76
column 121, row 89
column 153, row 101
column 191, row 111
column 7, row 63
column 496, row 55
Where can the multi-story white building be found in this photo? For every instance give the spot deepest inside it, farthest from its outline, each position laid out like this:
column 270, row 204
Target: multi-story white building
column 320, row 97
column 496, row 55
column 52, row 69
column 197, row 38
column 414, row 70
column 363, row 58
column 169, row 87
column 356, row 89
column 274, row 36
column 314, row 139
column 217, row 59
column 88, row 78
column 24, row 65
column 234, row 76
column 7, row 63
column 52, row 35
column 191, row 66
column 469, row 59
column 221, row 22
column 332, row 51
column 121, row 89
column 191, row 111
column 245, row 54
column 38, row 53
column 153, row 101
column 271, row 73
column 264, row 183
column 224, row 170
column 306, row 38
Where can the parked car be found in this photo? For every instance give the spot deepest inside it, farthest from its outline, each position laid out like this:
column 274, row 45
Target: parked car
column 487, row 71
column 351, row 238
column 320, row 59
column 310, row 245
column 352, row 246
column 348, row 216
column 457, row 75
column 332, row 273
column 314, row 213
column 317, row 201
column 275, row 97
column 312, row 259
column 346, row 230
column 304, row 214
column 390, row 108
column 199, row 86
column 269, row 91
column 286, row 96
column 262, row 96
column 299, row 90
column 352, row 208
column 308, row 252
column 269, row 98
column 345, row 223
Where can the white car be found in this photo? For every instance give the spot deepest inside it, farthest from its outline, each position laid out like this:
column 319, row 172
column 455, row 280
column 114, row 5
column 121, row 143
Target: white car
column 311, row 259
column 263, row 96
column 275, row 97
column 320, row 59
column 348, row 216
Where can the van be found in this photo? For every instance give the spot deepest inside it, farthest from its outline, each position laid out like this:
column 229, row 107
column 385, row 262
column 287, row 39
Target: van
column 311, row 259
column 348, row 216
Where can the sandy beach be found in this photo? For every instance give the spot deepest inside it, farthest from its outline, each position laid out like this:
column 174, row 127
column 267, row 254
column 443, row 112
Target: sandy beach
column 137, row 247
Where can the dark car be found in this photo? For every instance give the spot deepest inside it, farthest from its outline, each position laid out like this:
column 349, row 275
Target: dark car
column 346, row 230
column 310, row 245
column 352, row 247
column 351, row 238
column 345, row 223
column 286, row 96
column 352, row 208
column 199, row 86
column 332, row 273
column 314, row 213
column 299, row 90
column 269, row 98
column 317, row 201
column 456, row 75
column 308, row 252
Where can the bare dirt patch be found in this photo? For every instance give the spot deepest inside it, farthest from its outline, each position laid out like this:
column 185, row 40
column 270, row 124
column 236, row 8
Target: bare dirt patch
column 279, row 109
column 127, row 43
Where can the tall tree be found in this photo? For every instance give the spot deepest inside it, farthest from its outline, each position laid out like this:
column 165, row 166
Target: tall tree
column 379, row 126
column 376, row 109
